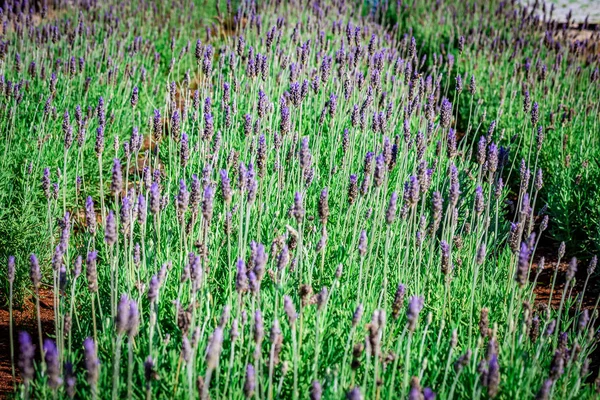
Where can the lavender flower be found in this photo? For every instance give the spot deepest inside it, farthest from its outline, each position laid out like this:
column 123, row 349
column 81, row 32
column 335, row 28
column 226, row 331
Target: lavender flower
column 182, row 201
column 324, row 206
column 285, row 122
column 46, row 183
column 207, row 203
column 184, row 150
column 446, row 113
column 356, row 317
column 415, row 389
column 90, row 215
column 149, row 373
column 290, row 310
column 251, row 184
column 412, row 191
column 316, row 391
column 352, row 189
column 493, row 376
column 398, row 301
column 241, row 281
column 92, row 364
column 110, row 232
column 133, row 322
column 571, row 270
column 584, row 318
column 479, row 202
column 451, row 143
column 70, row 380
column 91, row 273
column 153, row 287
column 454, row 185
column 117, row 178
column 213, row 350
column 459, row 84
column 522, row 273
column 415, row 306
column 155, row 198
column 11, row 269
column 52, row 364
column 535, row 114
column 67, row 130
column 134, row 97
column 250, row 383
column 480, row 258
column 34, row 272
column 428, row 394
column 390, row 213
column 544, row 392
column 142, row 212
column 283, row 258
column 99, row 147
column 26, row 354
column 379, row 170
column 122, row 319
column 362, row 243
column 446, row 258
column 592, row 265
column 305, row 156
column 101, row 112
column 298, row 209
column 157, row 126
column 354, row 394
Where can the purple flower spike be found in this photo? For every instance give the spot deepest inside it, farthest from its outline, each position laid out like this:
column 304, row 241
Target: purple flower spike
column 446, row 113
column 155, row 198
column 446, row 258
column 26, row 354
column 354, row 394
column 352, row 189
column 390, row 213
column 493, row 376
column 153, row 288
column 428, row 394
column 11, row 269
column 415, row 306
column 451, row 143
column 90, row 215
column 544, row 392
column 207, row 203
column 110, row 232
column 134, row 97
column 34, row 271
column 479, row 202
column 99, row 147
column 92, row 364
column 250, row 383
column 215, row 345
column 117, row 178
column 241, row 280
column 522, row 273
column 298, row 209
column 316, row 391
column 362, row 243
column 52, row 364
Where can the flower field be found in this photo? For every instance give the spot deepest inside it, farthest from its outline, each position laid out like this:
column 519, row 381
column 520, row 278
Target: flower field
column 299, row 199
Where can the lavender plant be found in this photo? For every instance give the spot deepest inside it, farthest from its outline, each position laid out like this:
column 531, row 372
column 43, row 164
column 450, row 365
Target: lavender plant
column 292, row 209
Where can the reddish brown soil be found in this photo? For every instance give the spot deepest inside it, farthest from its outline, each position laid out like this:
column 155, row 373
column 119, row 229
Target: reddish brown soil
column 24, row 319
column 543, row 287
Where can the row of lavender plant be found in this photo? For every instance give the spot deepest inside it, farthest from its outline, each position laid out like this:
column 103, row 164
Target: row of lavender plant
column 530, row 63
column 282, row 208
